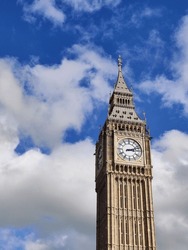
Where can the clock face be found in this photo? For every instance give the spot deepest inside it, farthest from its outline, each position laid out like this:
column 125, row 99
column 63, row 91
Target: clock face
column 129, row 149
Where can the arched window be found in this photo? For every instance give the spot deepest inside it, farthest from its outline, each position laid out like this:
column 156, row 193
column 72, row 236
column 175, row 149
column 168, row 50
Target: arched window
column 134, row 195
column 121, row 231
column 125, row 194
column 135, row 233
column 127, row 231
column 138, row 195
column 140, row 232
column 121, row 194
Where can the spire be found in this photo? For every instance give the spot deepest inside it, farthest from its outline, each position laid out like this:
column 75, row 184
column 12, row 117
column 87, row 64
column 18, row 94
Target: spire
column 121, row 105
column 119, row 64
column 121, row 85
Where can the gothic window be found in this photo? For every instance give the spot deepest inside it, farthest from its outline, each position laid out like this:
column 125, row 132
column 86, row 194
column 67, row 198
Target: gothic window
column 127, row 231
column 143, row 195
column 134, row 195
column 138, row 195
column 135, row 233
column 134, row 170
column 121, row 126
column 121, row 231
column 121, row 194
column 140, row 232
column 117, row 192
column 129, row 190
column 121, row 168
column 125, row 194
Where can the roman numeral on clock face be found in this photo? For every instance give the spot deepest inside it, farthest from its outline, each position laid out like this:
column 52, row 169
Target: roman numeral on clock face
column 129, row 149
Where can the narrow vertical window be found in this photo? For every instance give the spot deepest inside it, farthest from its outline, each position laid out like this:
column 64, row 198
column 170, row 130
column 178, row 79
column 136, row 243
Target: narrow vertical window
column 125, row 194
column 138, row 195
column 117, row 192
column 134, row 196
column 122, row 231
column 127, row 232
column 143, row 196
column 140, row 233
column 135, row 233
column 121, row 194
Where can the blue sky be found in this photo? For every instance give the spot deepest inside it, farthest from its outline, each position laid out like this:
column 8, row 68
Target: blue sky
column 58, row 66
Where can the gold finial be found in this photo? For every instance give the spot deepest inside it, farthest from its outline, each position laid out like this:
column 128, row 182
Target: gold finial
column 119, row 63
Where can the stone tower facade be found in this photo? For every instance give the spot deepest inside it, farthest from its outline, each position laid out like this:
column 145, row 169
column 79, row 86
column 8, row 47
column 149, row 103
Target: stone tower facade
column 125, row 219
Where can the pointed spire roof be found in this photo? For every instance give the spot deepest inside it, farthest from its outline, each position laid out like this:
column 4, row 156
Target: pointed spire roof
column 121, row 85
column 121, row 105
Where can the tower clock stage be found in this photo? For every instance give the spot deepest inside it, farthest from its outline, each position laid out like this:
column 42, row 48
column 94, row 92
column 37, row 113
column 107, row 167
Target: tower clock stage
column 125, row 219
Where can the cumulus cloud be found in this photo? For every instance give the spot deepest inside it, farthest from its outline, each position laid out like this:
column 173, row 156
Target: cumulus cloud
column 174, row 90
column 170, row 160
column 53, row 194
column 45, row 101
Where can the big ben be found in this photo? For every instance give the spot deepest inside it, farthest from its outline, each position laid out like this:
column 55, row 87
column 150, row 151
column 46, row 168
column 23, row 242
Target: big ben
column 125, row 218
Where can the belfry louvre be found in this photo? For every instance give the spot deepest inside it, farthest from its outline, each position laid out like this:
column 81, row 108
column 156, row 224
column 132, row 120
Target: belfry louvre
column 125, row 219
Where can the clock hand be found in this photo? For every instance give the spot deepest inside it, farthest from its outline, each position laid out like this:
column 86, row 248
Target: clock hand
column 130, row 149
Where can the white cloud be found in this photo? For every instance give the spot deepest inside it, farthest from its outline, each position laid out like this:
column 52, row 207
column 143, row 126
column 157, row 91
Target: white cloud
column 45, row 8
column 150, row 12
column 53, row 194
column 170, row 160
column 45, row 101
column 146, row 12
column 54, row 12
column 174, row 90
column 91, row 5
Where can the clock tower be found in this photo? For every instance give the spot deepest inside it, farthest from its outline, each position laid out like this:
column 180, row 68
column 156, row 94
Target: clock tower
column 125, row 219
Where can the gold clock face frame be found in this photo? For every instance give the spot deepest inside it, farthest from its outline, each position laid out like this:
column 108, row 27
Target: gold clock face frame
column 129, row 149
